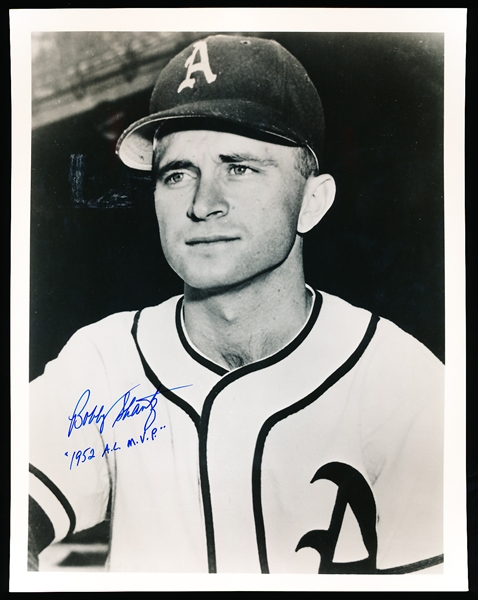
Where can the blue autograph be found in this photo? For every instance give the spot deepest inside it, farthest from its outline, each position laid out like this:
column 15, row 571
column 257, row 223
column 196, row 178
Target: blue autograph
column 130, row 406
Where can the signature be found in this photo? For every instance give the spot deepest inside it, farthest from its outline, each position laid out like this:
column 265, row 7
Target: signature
column 128, row 405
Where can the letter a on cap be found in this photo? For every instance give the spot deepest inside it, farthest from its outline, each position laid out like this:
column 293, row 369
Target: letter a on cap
column 203, row 65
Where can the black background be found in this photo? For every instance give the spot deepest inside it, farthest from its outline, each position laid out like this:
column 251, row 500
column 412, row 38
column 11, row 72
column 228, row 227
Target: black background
column 380, row 246
column 471, row 294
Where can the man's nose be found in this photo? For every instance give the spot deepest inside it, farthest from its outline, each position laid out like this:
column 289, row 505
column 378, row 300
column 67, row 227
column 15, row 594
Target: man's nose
column 208, row 200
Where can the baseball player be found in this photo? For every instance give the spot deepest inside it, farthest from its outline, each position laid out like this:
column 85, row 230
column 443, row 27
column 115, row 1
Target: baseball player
column 253, row 424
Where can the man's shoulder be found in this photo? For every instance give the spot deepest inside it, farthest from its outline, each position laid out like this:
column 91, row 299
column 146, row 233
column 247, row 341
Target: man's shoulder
column 396, row 379
column 114, row 330
column 389, row 339
column 122, row 322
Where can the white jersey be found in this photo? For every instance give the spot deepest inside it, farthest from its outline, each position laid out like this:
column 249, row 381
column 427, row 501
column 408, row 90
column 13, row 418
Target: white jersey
column 324, row 457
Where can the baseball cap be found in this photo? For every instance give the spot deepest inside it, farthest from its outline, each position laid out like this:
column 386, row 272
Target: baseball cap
column 248, row 82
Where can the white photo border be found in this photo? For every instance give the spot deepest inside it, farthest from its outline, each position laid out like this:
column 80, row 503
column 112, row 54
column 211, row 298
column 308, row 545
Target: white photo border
column 452, row 22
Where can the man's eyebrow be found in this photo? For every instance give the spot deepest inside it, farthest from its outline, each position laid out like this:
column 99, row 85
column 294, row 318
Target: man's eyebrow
column 173, row 165
column 237, row 158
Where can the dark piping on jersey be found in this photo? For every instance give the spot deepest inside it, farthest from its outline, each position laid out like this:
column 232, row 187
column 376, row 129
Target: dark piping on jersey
column 283, row 414
column 206, row 412
column 202, row 422
column 151, row 375
column 198, row 422
column 59, row 495
column 202, row 360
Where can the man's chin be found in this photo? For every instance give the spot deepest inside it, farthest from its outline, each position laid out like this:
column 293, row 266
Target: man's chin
column 197, row 290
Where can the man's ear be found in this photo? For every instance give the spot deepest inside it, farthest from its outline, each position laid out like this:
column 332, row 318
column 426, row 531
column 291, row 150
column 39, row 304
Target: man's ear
column 319, row 194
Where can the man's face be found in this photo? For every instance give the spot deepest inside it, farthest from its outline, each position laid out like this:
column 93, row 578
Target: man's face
column 227, row 206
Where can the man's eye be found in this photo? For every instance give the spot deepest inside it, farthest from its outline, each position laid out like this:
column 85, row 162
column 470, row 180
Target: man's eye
column 176, row 177
column 240, row 169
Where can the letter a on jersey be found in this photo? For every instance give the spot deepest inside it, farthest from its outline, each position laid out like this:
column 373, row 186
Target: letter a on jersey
column 203, row 65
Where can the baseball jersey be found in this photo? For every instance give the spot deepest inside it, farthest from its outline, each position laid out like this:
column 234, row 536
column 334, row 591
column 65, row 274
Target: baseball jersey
column 325, row 457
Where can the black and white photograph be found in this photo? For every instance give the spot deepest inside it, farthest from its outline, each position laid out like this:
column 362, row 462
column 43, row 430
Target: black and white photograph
column 238, row 338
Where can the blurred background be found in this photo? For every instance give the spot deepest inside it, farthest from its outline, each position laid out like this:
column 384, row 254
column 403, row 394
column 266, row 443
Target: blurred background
column 94, row 239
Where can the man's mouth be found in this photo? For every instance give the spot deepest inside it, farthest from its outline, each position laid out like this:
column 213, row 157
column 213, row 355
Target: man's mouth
column 210, row 239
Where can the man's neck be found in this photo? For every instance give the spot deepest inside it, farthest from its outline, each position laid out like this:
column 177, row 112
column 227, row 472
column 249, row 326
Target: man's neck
column 242, row 325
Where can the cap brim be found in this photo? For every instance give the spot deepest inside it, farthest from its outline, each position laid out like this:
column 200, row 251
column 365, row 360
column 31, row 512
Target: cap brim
column 135, row 146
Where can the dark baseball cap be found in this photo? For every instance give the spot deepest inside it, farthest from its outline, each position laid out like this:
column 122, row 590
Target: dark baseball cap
column 252, row 84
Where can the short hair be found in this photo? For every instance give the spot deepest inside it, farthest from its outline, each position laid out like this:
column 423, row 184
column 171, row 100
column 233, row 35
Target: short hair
column 305, row 162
